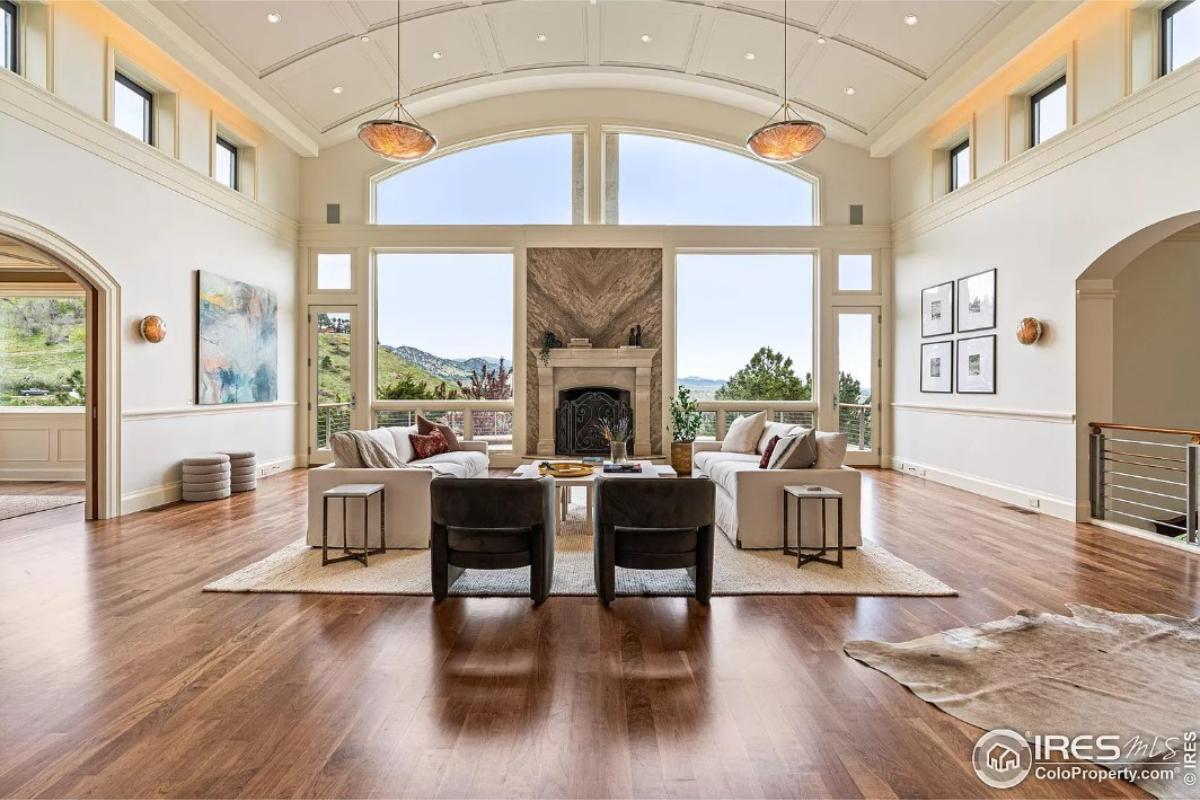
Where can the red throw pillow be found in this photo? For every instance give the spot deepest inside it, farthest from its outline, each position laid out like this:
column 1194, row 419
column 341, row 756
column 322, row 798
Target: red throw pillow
column 766, row 459
column 429, row 445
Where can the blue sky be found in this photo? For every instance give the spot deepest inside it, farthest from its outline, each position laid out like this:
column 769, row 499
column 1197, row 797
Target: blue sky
column 459, row 306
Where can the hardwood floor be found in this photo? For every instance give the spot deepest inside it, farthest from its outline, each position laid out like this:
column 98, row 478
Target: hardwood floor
column 72, row 488
column 120, row 678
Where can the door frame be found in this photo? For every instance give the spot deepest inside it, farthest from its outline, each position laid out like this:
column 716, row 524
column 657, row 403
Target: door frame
column 858, row 457
column 317, row 456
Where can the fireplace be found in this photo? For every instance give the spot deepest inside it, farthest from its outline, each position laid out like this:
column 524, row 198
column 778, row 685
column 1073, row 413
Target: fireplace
column 581, row 415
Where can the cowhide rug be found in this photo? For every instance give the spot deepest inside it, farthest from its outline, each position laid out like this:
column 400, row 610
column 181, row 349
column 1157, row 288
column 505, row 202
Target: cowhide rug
column 1097, row 672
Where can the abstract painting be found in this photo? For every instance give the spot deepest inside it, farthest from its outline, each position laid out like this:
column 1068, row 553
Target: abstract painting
column 237, row 342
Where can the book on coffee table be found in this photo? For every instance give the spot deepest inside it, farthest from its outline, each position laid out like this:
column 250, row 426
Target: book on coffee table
column 622, row 469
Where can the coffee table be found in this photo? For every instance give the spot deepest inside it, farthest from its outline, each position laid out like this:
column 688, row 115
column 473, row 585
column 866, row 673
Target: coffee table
column 563, row 486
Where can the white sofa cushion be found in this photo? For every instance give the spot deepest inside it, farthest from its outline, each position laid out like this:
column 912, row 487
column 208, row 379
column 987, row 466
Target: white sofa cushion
column 831, row 450
column 773, row 429
column 743, row 434
column 705, row 459
column 456, row 463
column 401, row 444
column 385, row 440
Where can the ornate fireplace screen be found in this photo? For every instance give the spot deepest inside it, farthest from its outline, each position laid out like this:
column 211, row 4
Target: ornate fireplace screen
column 581, row 416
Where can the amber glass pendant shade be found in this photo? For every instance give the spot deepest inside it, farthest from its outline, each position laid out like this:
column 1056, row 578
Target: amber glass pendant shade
column 396, row 140
column 788, row 140
column 153, row 329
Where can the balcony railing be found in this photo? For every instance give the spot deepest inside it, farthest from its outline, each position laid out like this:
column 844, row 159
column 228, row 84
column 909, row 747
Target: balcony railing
column 331, row 418
column 718, row 414
column 482, row 420
column 854, row 420
column 1146, row 477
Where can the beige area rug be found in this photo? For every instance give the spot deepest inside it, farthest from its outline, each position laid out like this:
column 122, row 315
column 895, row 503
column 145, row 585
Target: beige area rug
column 18, row 505
column 870, row 570
column 1097, row 672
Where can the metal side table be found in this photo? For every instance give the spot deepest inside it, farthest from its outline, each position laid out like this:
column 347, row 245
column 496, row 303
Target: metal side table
column 347, row 492
column 822, row 494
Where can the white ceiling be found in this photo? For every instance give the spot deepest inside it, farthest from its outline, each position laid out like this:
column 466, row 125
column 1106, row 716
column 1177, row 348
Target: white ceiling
column 317, row 45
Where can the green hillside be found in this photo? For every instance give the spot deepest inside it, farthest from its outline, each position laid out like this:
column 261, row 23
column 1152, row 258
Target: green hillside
column 42, row 348
column 334, row 368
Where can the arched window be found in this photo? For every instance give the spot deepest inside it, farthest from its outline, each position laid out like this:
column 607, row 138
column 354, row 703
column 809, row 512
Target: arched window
column 525, row 181
column 660, row 180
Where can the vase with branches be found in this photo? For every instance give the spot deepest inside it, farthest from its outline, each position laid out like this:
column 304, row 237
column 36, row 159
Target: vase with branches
column 616, row 434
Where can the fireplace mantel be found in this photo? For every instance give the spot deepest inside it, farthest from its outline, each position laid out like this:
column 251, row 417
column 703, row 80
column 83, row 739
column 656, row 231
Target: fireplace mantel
column 568, row 367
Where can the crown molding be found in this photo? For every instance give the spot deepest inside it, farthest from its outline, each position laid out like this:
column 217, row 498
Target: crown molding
column 156, row 26
column 38, row 108
column 1167, row 97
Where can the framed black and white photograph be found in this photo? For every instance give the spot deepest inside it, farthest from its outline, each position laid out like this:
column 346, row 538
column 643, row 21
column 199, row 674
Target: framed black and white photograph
column 977, row 365
column 937, row 367
column 937, row 310
column 977, row 302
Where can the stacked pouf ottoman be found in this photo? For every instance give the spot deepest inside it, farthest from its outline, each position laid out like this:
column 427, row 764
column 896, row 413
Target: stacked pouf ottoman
column 243, row 470
column 206, row 477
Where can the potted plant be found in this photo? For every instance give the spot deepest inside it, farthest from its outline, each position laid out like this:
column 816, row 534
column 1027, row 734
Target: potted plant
column 685, row 424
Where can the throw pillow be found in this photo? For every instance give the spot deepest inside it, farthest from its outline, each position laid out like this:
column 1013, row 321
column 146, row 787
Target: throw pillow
column 770, row 448
column 345, row 451
column 426, row 427
column 798, row 451
column 831, row 450
column 428, row 445
column 742, row 436
column 773, row 429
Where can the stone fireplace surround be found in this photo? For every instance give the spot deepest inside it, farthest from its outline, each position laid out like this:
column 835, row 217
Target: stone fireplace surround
column 570, row 368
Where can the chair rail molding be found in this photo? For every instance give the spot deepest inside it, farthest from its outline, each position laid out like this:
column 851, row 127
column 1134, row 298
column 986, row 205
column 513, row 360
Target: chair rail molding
column 198, row 410
column 1032, row 415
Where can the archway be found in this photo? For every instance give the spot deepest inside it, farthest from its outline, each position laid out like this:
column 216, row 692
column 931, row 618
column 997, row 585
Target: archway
column 103, row 355
column 1129, row 331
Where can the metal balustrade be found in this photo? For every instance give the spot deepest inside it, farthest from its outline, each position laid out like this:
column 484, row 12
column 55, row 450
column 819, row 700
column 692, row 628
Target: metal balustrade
column 482, row 420
column 854, row 420
column 1148, row 476
column 718, row 414
column 331, row 418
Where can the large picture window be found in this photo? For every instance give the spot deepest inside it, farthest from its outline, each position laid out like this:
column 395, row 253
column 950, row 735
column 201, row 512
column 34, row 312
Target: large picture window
column 42, row 351
column 1180, row 30
column 762, row 348
column 665, row 181
column 444, row 331
column 527, row 181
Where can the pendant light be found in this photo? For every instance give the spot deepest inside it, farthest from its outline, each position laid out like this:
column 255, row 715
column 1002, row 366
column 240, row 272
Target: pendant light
column 786, row 136
column 402, row 138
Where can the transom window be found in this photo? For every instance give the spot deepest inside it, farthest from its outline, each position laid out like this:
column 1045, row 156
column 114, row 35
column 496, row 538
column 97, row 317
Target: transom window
column 527, row 181
column 1048, row 112
column 960, row 165
column 133, row 108
column 1180, row 31
column 8, row 27
column 660, row 180
column 226, row 167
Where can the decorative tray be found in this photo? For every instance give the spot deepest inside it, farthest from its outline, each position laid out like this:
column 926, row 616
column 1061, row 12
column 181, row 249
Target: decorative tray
column 564, row 469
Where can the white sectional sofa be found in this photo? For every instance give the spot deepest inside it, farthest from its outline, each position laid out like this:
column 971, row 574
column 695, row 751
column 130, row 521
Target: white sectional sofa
column 750, row 500
column 407, row 491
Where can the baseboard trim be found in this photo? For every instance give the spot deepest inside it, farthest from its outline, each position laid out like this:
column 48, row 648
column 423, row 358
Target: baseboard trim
column 167, row 493
column 1059, row 507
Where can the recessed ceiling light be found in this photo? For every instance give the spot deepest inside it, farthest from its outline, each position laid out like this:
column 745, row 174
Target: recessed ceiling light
column 364, row 38
column 820, row 40
column 541, row 37
column 338, row 90
column 437, row 54
column 273, row 17
column 749, row 56
column 849, row 90
column 910, row 19
column 647, row 37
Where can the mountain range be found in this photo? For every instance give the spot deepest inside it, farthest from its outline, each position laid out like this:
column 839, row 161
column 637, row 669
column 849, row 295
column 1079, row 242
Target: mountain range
column 451, row 370
column 702, row 388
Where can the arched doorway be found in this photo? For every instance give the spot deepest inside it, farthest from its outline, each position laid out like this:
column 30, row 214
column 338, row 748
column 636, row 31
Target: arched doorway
column 102, row 401
column 1136, row 351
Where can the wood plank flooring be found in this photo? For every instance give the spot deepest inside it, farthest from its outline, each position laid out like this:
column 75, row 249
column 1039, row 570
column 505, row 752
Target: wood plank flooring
column 120, row 678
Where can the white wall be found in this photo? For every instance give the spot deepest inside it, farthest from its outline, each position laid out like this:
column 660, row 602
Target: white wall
column 1041, row 218
column 849, row 175
column 1156, row 341
column 151, row 221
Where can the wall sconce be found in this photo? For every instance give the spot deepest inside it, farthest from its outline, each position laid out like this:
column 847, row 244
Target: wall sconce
column 1029, row 330
column 153, row 329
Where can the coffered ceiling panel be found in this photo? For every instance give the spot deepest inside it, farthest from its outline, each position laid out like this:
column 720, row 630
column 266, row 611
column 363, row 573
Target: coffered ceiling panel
column 244, row 27
column 941, row 26
column 715, row 47
column 518, row 28
column 669, row 27
column 749, row 50
column 878, row 86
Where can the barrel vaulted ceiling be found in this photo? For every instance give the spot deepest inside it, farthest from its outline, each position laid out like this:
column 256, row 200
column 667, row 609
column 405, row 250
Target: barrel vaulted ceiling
column 329, row 64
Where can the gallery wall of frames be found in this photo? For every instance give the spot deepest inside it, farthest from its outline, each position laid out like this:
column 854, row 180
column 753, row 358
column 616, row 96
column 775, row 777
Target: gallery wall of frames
column 965, row 364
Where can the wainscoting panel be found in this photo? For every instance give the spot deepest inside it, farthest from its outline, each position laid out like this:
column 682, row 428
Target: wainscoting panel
column 598, row 293
column 41, row 444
